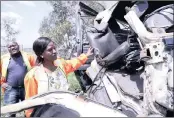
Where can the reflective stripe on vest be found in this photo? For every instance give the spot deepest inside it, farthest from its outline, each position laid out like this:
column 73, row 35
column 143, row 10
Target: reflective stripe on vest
column 26, row 61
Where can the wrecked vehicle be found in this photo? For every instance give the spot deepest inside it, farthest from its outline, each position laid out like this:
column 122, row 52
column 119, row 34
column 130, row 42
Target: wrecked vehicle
column 62, row 104
column 132, row 70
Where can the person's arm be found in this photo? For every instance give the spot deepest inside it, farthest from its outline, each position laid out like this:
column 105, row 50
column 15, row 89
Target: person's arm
column 1, row 67
column 75, row 63
column 31, row 87
column 32, row 60
column 3, row 80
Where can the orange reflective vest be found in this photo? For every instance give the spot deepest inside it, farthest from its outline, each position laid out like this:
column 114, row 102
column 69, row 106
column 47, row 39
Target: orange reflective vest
column 29, row 60
column 36, row 80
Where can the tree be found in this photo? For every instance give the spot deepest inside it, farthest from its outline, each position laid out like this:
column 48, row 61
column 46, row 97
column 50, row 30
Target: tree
column 59, row 22
column 59, row 25
column 7, row 27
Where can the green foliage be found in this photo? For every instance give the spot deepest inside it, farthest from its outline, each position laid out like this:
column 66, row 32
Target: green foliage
column 74, row 83
column 58, row 23
column 57, row 33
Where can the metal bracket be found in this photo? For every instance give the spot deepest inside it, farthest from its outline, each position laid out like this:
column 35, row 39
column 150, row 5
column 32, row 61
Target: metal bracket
column 153, row 52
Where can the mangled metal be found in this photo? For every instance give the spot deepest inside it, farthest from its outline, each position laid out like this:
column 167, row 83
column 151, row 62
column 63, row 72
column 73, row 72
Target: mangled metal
column 84, row 106
column 155, row 71
column 132, row 70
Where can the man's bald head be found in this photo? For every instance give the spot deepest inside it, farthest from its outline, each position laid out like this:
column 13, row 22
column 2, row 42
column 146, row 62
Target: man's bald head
column 13, row 47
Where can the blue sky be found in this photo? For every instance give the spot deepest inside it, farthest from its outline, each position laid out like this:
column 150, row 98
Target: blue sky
column 29, row 15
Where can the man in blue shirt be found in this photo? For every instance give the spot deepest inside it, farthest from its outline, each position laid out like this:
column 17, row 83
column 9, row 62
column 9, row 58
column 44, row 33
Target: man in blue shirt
column 16, row 65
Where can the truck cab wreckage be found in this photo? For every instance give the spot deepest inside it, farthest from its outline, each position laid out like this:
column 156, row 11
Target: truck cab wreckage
column 131, row 71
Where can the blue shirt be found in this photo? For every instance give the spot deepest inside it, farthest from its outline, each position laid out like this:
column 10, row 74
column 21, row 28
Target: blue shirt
column 16, row 71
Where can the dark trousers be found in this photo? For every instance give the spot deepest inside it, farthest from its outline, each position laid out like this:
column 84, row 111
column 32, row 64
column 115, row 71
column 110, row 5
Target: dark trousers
column 13, row 95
